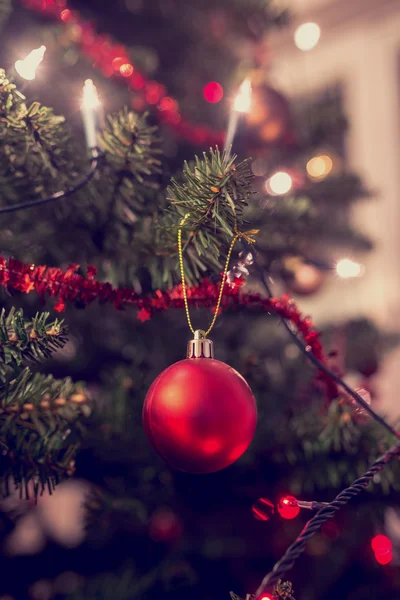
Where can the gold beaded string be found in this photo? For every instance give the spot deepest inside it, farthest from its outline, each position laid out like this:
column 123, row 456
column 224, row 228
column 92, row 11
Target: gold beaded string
column 238, row 235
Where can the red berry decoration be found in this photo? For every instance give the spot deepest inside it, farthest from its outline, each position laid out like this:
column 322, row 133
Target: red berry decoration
column 200, row 414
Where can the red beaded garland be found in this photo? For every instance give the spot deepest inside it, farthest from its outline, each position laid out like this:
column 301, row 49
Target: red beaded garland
column 200, row 415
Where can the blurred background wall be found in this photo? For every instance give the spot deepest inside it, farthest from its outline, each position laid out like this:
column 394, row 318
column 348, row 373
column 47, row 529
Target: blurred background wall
column 359, row 49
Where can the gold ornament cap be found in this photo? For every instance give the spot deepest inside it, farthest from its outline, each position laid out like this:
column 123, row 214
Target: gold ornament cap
column 200, row 346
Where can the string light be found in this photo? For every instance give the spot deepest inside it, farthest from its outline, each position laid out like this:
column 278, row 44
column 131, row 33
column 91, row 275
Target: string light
column 213, row 92
column 280, row 183
column 90, row 112
column 347, row 268
column 319, row 167
column 288, row 507
column 89, row 40
column 242, row 104
column 243, row 99
column 26, row 68
column 306, row 36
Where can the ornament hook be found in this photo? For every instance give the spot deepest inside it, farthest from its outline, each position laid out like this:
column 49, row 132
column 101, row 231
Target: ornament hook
column 200, row 346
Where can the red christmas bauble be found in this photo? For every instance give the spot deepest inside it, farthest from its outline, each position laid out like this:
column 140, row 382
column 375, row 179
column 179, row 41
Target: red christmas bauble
column 200, row 415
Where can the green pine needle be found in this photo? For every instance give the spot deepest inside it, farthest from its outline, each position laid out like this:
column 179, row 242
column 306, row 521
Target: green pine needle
column 27, row 341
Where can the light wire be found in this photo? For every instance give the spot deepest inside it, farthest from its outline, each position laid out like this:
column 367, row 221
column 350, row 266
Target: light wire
column 94, row 163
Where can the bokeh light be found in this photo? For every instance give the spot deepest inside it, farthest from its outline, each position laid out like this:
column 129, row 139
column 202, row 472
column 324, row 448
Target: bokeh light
column 263, row 509
column 126, row 70
column 280, row 183
column 213, row 92
column 319, row 167
column 347, row 268
column 118, row 62
column 306, row 36
column 259, row 167
column 384, row 557
column 381, row 542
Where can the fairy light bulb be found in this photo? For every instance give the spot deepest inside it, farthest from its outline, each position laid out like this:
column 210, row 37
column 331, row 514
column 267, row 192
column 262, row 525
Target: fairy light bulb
column 347, row 268
column 306, row 36
column 90, row 97
column 26, row 68
column 280, row 183
column 288, row 507
column 242, row 102
column 90, row 112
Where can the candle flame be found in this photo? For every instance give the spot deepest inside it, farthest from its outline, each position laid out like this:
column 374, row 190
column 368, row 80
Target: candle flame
column 26, row 68
column 90, row 97
column 243, row 99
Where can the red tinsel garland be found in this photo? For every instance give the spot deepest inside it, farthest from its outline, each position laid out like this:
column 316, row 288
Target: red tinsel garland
column 68, row 286
column 113, row 59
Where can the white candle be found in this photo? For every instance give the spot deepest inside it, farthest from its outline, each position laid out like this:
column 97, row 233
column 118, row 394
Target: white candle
column 241, row 104
column 90, row 112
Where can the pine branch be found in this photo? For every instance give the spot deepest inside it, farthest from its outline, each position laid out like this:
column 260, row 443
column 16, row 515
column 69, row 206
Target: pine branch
column 130, row 147
column 339, row 447
column 22, row 341
column 39, row 430
column 37, row 153
column 213, row 192
column 9, row 95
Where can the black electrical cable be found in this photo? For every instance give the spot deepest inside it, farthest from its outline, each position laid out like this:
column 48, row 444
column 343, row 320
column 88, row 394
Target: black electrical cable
column 94, row 163
column 313, row 526
column 327, row 512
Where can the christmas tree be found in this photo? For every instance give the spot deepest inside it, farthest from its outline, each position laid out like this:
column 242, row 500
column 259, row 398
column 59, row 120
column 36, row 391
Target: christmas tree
column 148, row 227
